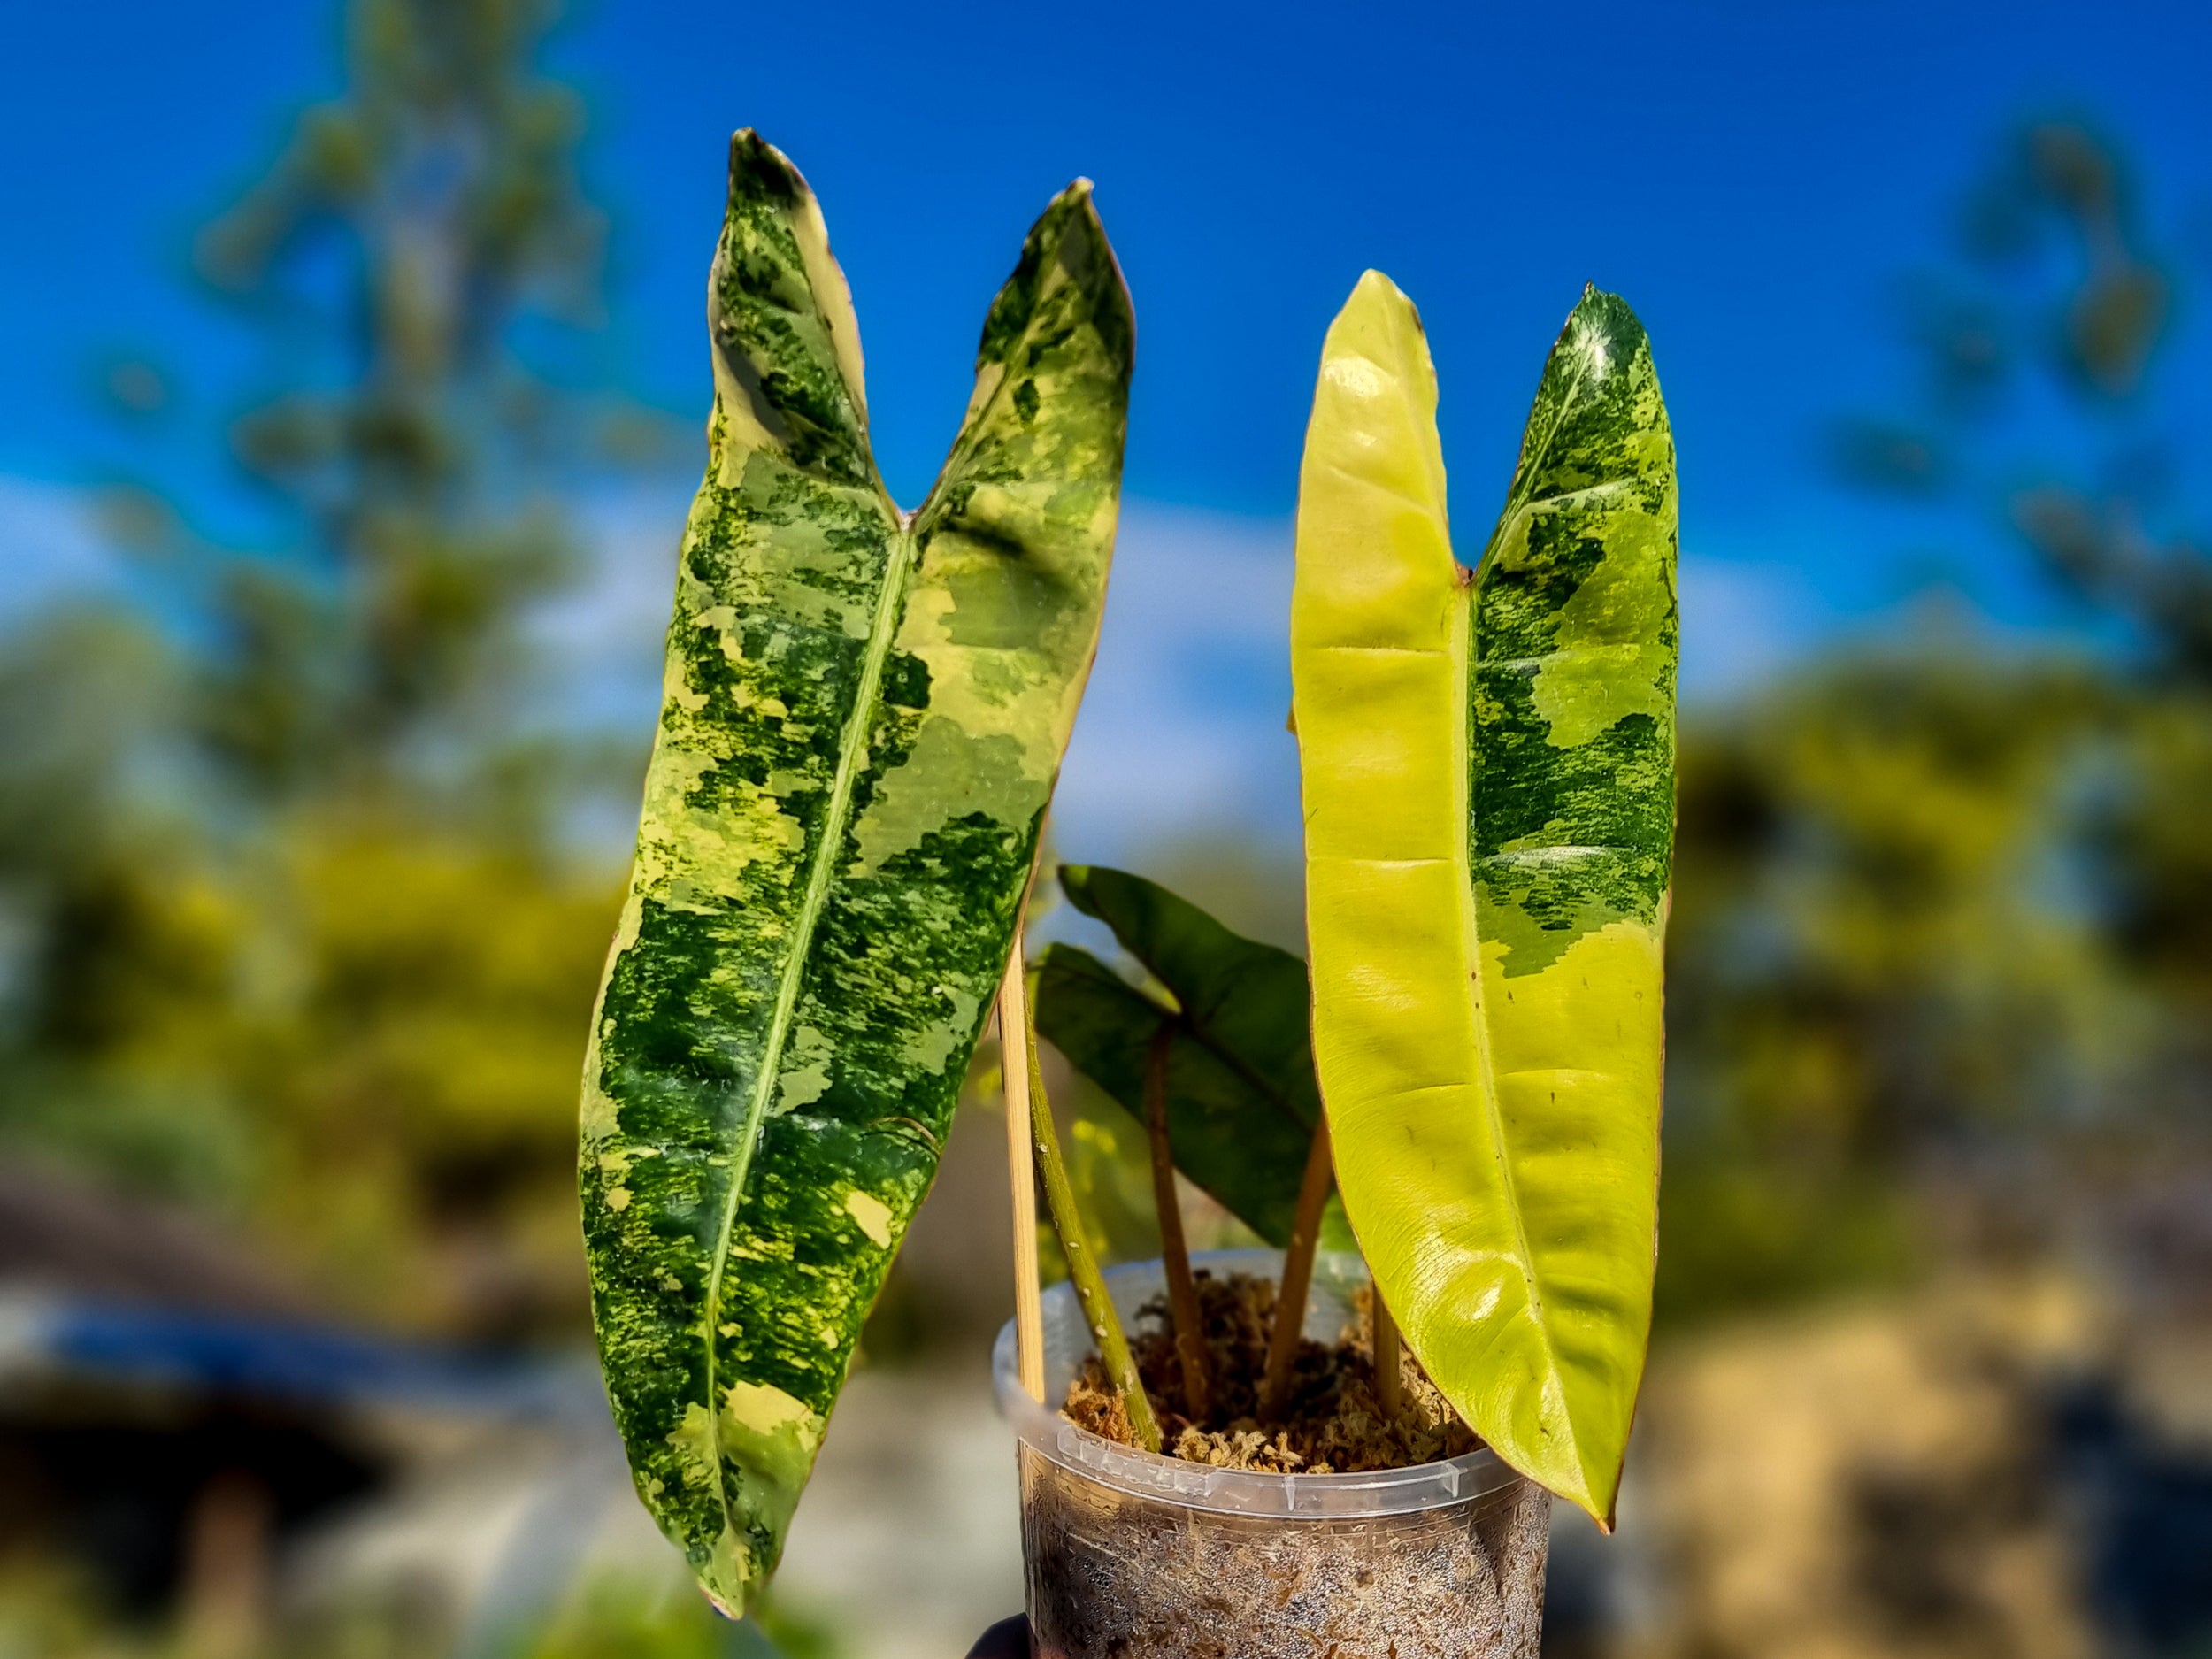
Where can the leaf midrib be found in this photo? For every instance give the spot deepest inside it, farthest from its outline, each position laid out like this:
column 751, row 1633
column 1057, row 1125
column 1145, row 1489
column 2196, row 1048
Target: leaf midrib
column 1202, row 1033
column 1485, row 1070
column 904, row 539
column 1179, row 1015
column 852, row 747
column 1469, row 595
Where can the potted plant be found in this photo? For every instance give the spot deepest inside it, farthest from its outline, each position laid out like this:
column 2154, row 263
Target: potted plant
column 1487, row 762
column 864, row 715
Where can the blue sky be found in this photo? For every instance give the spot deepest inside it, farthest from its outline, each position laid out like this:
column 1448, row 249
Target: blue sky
column 1752, row 177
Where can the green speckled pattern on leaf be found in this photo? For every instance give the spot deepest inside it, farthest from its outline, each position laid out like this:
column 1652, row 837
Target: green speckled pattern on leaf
column 862, row 718
column 1571, row 682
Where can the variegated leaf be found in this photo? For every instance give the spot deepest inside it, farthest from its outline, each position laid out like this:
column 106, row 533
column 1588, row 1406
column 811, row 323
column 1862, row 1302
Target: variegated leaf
column 864, row 715
column 1488, row 769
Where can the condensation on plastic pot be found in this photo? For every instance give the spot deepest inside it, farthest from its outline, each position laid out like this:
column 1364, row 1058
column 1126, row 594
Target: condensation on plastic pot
column 1067, row 1342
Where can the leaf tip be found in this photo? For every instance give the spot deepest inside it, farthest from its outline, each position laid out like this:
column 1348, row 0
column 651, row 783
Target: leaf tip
column 728, row 1611
column 760, row 171
column 1609, row 313
column 1378, row 309
column 1070, row 234
column 1075, row 882
column 1078, row 200
column 753, row 157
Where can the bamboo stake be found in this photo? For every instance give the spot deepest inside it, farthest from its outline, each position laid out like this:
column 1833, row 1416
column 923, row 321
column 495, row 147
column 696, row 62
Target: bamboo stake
column 1090, row 1287
column 1290, row 1296
column 1182, row 1289
column 1021, row 1170
column 1389, row 1392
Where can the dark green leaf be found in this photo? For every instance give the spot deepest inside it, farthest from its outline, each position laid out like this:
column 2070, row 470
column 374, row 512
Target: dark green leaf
column 1242, row 1099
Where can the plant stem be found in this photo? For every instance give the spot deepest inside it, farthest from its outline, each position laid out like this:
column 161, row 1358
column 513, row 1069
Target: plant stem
column 1290, row 1296
column 1390, row 1393
column 1182, row 1289
column 1090, row 1287
column 1021, row 1171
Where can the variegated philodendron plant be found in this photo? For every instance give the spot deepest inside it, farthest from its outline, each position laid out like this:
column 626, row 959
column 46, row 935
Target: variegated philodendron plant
column 864, row 714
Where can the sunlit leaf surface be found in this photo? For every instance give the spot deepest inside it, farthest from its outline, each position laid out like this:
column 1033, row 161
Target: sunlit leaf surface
column 863, row 718
column 1488, row 771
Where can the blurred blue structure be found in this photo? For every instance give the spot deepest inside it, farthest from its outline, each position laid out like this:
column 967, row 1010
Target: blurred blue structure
column 181, row 1429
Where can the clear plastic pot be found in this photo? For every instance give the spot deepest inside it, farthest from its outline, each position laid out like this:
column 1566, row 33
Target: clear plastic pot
column 1137, row 1556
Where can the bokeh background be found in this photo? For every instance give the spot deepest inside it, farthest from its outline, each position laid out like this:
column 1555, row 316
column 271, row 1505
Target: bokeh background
column 355, row 378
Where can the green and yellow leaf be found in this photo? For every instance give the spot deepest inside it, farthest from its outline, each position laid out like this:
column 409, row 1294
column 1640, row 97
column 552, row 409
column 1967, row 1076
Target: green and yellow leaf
column 864, row 715
column 1488, row 774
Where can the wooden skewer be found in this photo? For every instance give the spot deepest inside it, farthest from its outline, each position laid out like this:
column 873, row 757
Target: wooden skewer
column 1182, row 1289
column 1290, row 1296
column 1021, row 1170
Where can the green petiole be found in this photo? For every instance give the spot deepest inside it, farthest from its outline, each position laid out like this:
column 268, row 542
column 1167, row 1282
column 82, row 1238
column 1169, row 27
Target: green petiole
column 1090, row 1287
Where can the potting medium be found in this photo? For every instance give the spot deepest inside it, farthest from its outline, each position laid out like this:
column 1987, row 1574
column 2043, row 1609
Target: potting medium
column 1129, row 1553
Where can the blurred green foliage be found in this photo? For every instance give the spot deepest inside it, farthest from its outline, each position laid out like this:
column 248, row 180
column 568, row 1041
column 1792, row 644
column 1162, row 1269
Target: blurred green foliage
column 1940, row 965
column 619, row 1621
column 292, row 917
column 44, row 1614
column 1879, row 961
